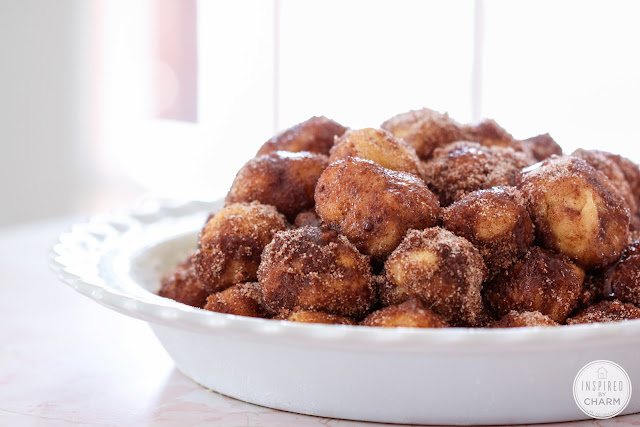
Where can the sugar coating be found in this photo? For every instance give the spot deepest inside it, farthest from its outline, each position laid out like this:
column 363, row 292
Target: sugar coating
column 463, row 167
column 315, row 269
column 443, row 270
column 232, row 242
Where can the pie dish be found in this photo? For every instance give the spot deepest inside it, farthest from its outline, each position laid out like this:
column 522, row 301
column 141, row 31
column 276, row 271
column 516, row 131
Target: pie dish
column 401, row 375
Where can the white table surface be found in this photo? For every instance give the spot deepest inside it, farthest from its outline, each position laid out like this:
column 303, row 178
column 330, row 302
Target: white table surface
column 65, row 360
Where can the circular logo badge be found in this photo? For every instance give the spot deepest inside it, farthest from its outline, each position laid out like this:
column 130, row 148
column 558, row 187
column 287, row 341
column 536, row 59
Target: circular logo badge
column 602, row 389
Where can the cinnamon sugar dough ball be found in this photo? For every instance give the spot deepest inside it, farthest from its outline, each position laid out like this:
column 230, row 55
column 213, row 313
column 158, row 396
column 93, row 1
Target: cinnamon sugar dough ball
column 231, row 243
column 424, row 130
column 304, row 316
column 380, row 147
column 241, row 300
column 519, row 319
column 374, row 206
column 576, row 211
column 630, row 171
column 489, row 133
column 314, row 135
column 541, row 146
column 443, row 270
column 183, row 285
column 306, row 218
column 463, row 167
column 600, row 161
column 282, row 179
column 496, row 222
column 622, row 281
column 606, row 311
column 541, row 281
column 315, row 269
column 409, row 314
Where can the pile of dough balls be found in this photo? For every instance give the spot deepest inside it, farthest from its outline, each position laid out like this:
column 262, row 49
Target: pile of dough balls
column 424, row 222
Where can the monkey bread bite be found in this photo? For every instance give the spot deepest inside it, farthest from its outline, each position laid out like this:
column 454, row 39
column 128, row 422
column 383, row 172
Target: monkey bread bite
column 409, row 314
column 541, row 281
column 315, row 269
column 374, row 206
column 496, row 222
column 443, row 270
column 519, row 319
column 576, row 211
column 622, row 280
column 314, row 135
column 424, row 130
column 380, row 147
column 460, row 168
column 231, row 243
column 304, row 316
column 241, row 300
column 281, row 179
column 606, row 311
column 541, row 146
column 489, row 133
column 184, row 286
column 600, row 161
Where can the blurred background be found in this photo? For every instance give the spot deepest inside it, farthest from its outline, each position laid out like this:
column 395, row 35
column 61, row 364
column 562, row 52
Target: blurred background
column 104, row 101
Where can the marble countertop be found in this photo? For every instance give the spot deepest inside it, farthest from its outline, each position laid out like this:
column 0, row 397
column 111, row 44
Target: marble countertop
column 66, row 360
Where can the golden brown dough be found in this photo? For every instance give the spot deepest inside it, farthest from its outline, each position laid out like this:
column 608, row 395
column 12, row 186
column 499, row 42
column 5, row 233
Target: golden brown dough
column 231, row 243
column 282, row 179
column 374, row 206
column 606, row 311
column 519, row 319
column 380, row 147
column 314, row 135
column 315, row 269
column 409, row 314
column 576, row 211
column 424, row 130
column 443, row 270
column 304, row 316
column 241, row 300
column 541, row 147
column 542, row 281
column 460, row 168
column 496, row 222
column 183, row 285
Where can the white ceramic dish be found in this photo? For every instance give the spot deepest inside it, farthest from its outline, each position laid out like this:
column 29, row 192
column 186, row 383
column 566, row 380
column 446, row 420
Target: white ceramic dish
column 446, row 376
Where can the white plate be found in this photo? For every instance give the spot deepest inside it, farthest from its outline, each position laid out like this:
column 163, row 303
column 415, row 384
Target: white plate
column 431, row 376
